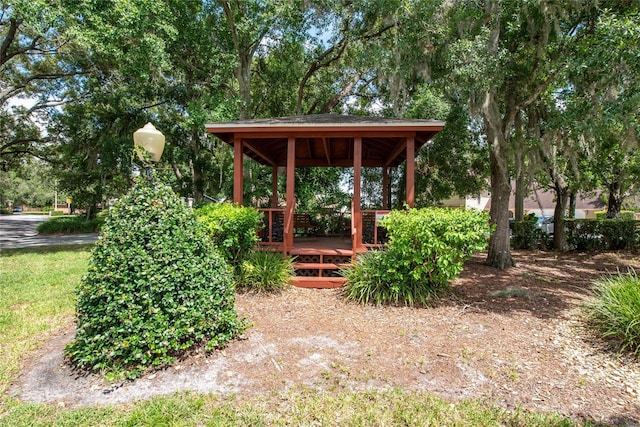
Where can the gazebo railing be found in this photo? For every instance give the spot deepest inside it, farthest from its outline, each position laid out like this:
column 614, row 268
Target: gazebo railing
column 272, row 235
column 373, row 234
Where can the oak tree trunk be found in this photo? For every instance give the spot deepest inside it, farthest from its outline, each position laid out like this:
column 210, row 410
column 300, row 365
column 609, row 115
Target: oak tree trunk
column 573, row 198
column 499, row 255
column 614, row 206
column 520, row 194
column 559, row 235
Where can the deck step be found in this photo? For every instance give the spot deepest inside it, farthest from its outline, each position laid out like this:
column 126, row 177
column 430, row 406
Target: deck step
column 318, row 266
column 318, row 282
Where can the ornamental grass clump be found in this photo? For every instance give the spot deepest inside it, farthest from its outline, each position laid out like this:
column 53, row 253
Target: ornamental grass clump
column 156, row 288
column 426, row 250
column 614, row 312
column 263, row 271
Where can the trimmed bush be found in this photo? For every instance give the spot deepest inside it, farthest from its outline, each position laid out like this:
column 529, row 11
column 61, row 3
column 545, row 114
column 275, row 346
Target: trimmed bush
column 624, row 215
column 525, row 234
column 232, row 228
column 155, row 288
column 602, row 235
column 70, row 225
column 426, row 250
column 265, row 272
column 615, row 311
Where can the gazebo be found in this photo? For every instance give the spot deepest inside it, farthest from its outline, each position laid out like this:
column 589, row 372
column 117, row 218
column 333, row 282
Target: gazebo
column 324, row 140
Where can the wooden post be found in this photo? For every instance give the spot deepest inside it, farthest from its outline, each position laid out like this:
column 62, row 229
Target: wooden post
column 274, row 186
column 237, row 171
column 291, row 175
column 411, row 168
column 356, row 211
column 385, row 188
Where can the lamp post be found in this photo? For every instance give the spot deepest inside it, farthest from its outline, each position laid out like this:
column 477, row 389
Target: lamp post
column 152, row 141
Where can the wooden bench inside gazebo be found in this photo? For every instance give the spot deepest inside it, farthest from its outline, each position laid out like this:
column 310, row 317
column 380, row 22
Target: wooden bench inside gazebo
column 324, row 140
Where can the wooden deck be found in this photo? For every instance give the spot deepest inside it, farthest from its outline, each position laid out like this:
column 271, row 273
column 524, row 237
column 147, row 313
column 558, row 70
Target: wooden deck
column 318, row 261
column 325, row 245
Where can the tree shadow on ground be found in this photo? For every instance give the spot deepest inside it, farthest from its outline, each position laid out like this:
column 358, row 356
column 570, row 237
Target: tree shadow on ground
column 546, row 285
column 615, row 421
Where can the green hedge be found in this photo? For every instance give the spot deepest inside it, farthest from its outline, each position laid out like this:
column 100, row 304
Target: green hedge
column 602, row 235
column 426, row 250
column 70, row 225
column 624, row 215
column 525, row 235
column 232, row 229
column 155, row 288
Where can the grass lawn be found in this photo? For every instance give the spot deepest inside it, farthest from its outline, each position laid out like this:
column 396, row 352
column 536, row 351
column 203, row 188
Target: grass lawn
column 37, row 298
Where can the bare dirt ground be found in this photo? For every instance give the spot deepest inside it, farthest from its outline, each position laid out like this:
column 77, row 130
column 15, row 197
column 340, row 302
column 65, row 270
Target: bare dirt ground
column 528, row 349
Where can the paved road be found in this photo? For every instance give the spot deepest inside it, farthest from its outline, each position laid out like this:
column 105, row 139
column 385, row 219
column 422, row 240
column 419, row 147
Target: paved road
column 19, row 231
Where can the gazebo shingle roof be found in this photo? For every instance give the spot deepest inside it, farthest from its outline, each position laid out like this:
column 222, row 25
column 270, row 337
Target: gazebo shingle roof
column 326, row 139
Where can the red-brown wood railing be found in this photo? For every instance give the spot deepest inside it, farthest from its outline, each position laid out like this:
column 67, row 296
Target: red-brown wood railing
column 373, row 234
column 272, row 235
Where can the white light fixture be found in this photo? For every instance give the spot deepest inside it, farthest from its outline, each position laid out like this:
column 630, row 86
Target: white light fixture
column 151, row 140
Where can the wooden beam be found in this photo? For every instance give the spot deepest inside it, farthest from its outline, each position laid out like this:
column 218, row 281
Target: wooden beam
column 335, row 132
column 327, row 151
column 385, row 188
column 366, row 163
column 260, row 153
column 274, row 186
column 396, row 152
column 237, row 171
column 411, row 168
column 357, row 176
column 291, row 175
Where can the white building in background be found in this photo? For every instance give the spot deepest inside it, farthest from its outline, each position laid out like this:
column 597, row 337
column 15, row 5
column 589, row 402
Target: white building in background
column 539, row 202
column 478, row 201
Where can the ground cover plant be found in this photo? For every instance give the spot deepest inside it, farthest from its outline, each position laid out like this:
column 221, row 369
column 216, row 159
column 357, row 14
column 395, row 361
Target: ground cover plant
column 426, row 250
column 155, row 287
column 614, row 312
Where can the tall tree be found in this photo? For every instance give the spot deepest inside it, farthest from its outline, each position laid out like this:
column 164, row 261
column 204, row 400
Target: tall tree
column 36, row 44
column 247, row 26
column 604, row 100
column 505, row 55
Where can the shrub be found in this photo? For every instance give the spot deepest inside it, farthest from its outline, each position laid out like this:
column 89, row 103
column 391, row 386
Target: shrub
column 426, row 249
column 525, row 234
column 624, row 215
column 615, row 310
column 605, row 234
column 70, row 225
column 265, row 272
column 232, row 229
column 370, row 280
column 155, row 288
